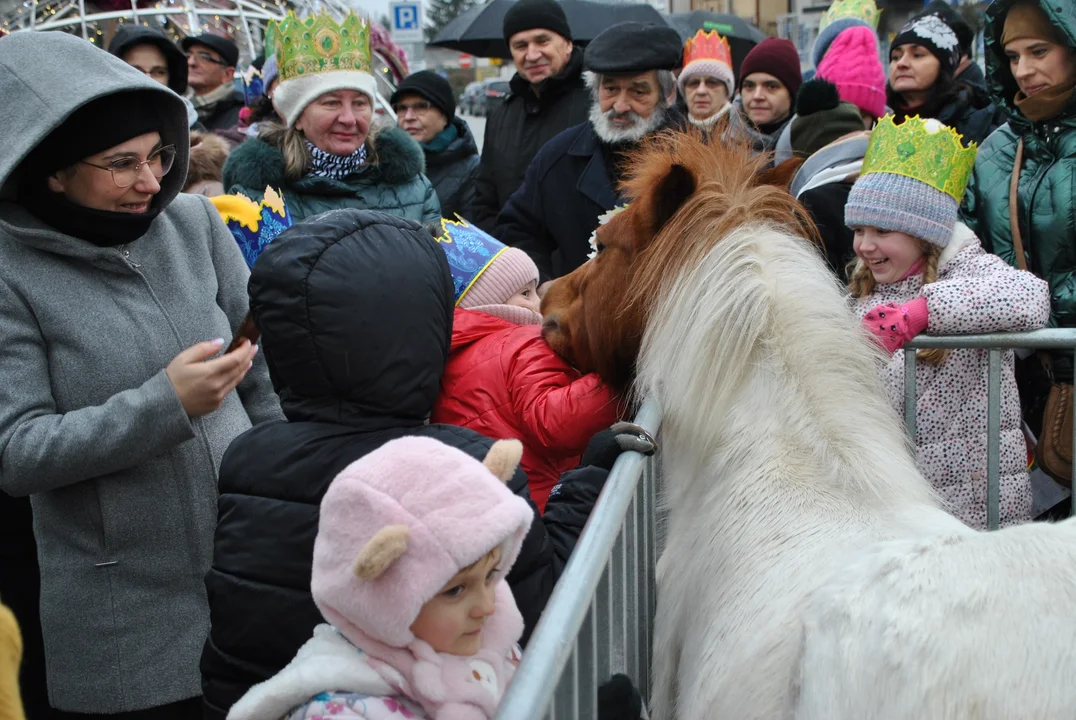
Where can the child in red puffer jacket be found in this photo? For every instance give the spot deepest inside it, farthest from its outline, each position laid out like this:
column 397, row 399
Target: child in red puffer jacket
column 502, row 379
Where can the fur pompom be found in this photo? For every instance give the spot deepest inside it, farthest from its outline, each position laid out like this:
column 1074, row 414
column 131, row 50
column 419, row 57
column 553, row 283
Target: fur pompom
column 384, row 548
column 817, row 95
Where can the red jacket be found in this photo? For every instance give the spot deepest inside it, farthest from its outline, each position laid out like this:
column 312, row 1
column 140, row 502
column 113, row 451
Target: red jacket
column 503, row 381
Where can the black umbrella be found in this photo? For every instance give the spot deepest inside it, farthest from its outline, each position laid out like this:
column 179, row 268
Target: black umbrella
column 742, row 35
column 479, row 31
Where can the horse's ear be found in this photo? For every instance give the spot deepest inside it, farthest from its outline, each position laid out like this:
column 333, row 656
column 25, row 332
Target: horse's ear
column 782, row 175
column 673, row 190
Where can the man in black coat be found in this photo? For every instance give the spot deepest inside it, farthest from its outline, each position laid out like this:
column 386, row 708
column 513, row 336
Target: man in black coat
column 547, row 96
column 355, row 310
column 574, row 179
column 211, row 61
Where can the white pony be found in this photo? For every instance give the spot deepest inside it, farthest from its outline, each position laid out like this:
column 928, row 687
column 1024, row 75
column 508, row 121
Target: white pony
column 809, row 572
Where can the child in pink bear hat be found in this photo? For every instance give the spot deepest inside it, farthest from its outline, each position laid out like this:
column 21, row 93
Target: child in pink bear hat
column 413, row 545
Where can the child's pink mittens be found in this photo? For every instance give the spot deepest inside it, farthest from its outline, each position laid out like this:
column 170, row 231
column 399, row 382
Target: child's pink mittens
column 894, row 325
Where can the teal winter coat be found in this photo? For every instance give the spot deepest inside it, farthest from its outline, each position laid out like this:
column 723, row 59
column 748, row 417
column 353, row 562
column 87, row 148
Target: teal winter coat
column 1046, row 196
column 392, row 182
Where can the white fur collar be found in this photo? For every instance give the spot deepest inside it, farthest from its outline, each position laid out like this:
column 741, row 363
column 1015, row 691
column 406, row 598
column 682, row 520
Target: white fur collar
column 327, row 662
column 963, row 236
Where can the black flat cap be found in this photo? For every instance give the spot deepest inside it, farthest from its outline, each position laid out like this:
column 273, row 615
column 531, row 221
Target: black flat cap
column 634, row 47
column 227, row 49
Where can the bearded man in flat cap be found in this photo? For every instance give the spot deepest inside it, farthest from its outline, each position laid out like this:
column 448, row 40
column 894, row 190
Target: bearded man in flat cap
column 574, row 178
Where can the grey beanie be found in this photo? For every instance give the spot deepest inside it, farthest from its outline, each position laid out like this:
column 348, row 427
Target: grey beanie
column 897, row 202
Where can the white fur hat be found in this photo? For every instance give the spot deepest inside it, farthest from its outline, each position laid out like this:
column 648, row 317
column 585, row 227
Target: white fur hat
column 293, row 95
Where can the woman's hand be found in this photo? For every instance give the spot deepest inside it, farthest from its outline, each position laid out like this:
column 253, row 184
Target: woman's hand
column 202, row 384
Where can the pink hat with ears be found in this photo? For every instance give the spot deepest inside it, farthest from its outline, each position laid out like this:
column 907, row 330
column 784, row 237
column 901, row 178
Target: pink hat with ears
column 398, row 523
column 852, row 64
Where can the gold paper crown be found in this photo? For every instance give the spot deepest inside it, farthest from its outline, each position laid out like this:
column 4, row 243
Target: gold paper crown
column 707, row 46
column 924, row 150
column 318, row 44
column 862, row 9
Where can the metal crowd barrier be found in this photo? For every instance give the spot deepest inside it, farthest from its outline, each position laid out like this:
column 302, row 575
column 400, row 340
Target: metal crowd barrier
column 599, row 620
column 996, row 343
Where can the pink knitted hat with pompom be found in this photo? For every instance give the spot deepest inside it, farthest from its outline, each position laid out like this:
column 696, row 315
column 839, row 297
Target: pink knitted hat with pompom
column 398, row 523
column 852, row 64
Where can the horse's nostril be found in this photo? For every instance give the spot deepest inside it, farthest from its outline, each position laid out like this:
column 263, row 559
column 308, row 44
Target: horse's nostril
column 550, row 323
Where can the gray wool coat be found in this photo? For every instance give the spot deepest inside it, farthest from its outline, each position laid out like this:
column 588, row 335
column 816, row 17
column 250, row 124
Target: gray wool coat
column 122, row 481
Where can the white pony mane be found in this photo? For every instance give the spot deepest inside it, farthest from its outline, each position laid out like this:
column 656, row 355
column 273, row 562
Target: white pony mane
column 755, row 355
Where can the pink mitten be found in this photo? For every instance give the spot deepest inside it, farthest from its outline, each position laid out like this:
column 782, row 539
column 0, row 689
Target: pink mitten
column 895, row 325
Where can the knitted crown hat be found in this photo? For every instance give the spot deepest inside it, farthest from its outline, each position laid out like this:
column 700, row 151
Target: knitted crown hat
column 400, row 522
column 913, row 178
column 707, row 54
column 504, row 277
column 852, row 64
column 838, row 17
column 318, row 55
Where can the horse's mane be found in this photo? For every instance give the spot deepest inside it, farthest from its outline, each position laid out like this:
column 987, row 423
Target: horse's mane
column 727, row 195
column 747, row 328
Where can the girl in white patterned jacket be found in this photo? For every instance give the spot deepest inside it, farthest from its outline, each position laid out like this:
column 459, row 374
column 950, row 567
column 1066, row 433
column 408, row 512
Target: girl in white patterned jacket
column 919, row 270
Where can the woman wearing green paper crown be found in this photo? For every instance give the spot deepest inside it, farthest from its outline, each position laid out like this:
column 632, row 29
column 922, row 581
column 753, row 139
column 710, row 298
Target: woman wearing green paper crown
column 327, row 155
column 920, row 270
column 1031, row 68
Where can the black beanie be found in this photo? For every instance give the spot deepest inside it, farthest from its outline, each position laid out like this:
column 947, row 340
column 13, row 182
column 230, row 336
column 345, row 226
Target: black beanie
column 821, row 118
column 951, row 17
column 96, row 126
column 932, row 33
column 431, row 86
column 533, row 15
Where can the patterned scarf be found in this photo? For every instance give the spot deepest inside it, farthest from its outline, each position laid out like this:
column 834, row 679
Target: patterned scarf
column 327, row 165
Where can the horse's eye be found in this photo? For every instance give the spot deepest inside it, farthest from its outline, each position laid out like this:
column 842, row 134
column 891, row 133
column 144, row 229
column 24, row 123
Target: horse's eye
column 600, row 246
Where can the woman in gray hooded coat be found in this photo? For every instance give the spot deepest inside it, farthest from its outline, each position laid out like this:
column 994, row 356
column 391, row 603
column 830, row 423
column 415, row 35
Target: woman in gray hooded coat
column 116, row 405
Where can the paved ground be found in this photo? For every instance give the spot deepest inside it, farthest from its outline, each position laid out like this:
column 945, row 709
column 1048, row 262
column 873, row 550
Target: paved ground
column 478, row 128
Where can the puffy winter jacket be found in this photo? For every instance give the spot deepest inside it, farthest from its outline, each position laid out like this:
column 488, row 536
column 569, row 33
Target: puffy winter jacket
column 504, row 381
column 1047, row 186
column 392, row 183
column 355, row 310
column 517, row 130
column 974, row 293
column 453, row 172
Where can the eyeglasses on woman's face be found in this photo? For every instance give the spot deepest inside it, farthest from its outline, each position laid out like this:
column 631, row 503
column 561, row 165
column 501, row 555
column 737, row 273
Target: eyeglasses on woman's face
column 419, row 106
column 125, row 170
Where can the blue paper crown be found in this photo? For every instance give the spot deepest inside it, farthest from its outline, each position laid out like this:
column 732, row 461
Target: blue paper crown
column 254, row 225
column 469, row 250
column 253, row 85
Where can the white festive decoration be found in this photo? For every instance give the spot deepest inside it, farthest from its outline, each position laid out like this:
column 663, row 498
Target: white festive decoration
column 932, row 28
column 603, row 220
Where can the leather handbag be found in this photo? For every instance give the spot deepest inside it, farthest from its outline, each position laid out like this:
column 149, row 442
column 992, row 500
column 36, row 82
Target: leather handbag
column 1053, row 453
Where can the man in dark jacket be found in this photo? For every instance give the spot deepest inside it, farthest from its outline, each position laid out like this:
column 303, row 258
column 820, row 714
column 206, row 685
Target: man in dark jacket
column 211, row 61
column 355, row 309
column 426, row 110
column 547, row 96
column 574, row 179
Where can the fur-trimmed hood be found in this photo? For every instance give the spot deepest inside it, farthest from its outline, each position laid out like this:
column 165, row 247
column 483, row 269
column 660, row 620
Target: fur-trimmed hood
column 397, row 159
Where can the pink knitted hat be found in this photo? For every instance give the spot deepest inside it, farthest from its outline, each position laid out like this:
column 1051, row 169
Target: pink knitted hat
column 398, row 523
column 852, row 64
column 504, row 277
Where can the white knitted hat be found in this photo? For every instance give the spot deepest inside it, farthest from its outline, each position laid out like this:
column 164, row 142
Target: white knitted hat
column 707, row 68
column 292, row 96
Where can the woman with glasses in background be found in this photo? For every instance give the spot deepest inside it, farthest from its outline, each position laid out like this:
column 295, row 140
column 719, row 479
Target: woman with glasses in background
column 117, row 295
column 425, row 108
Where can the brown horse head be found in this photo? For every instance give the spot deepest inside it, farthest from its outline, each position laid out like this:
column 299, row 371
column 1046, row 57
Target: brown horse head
column 686, row 195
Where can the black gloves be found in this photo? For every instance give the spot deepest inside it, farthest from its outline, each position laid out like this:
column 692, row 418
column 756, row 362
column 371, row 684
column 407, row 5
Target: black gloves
column 605, row 447
column 619, row 700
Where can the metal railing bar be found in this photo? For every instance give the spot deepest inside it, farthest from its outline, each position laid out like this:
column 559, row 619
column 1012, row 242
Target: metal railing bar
column 1046, row 339
column 993, row 449
column 551, row 645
